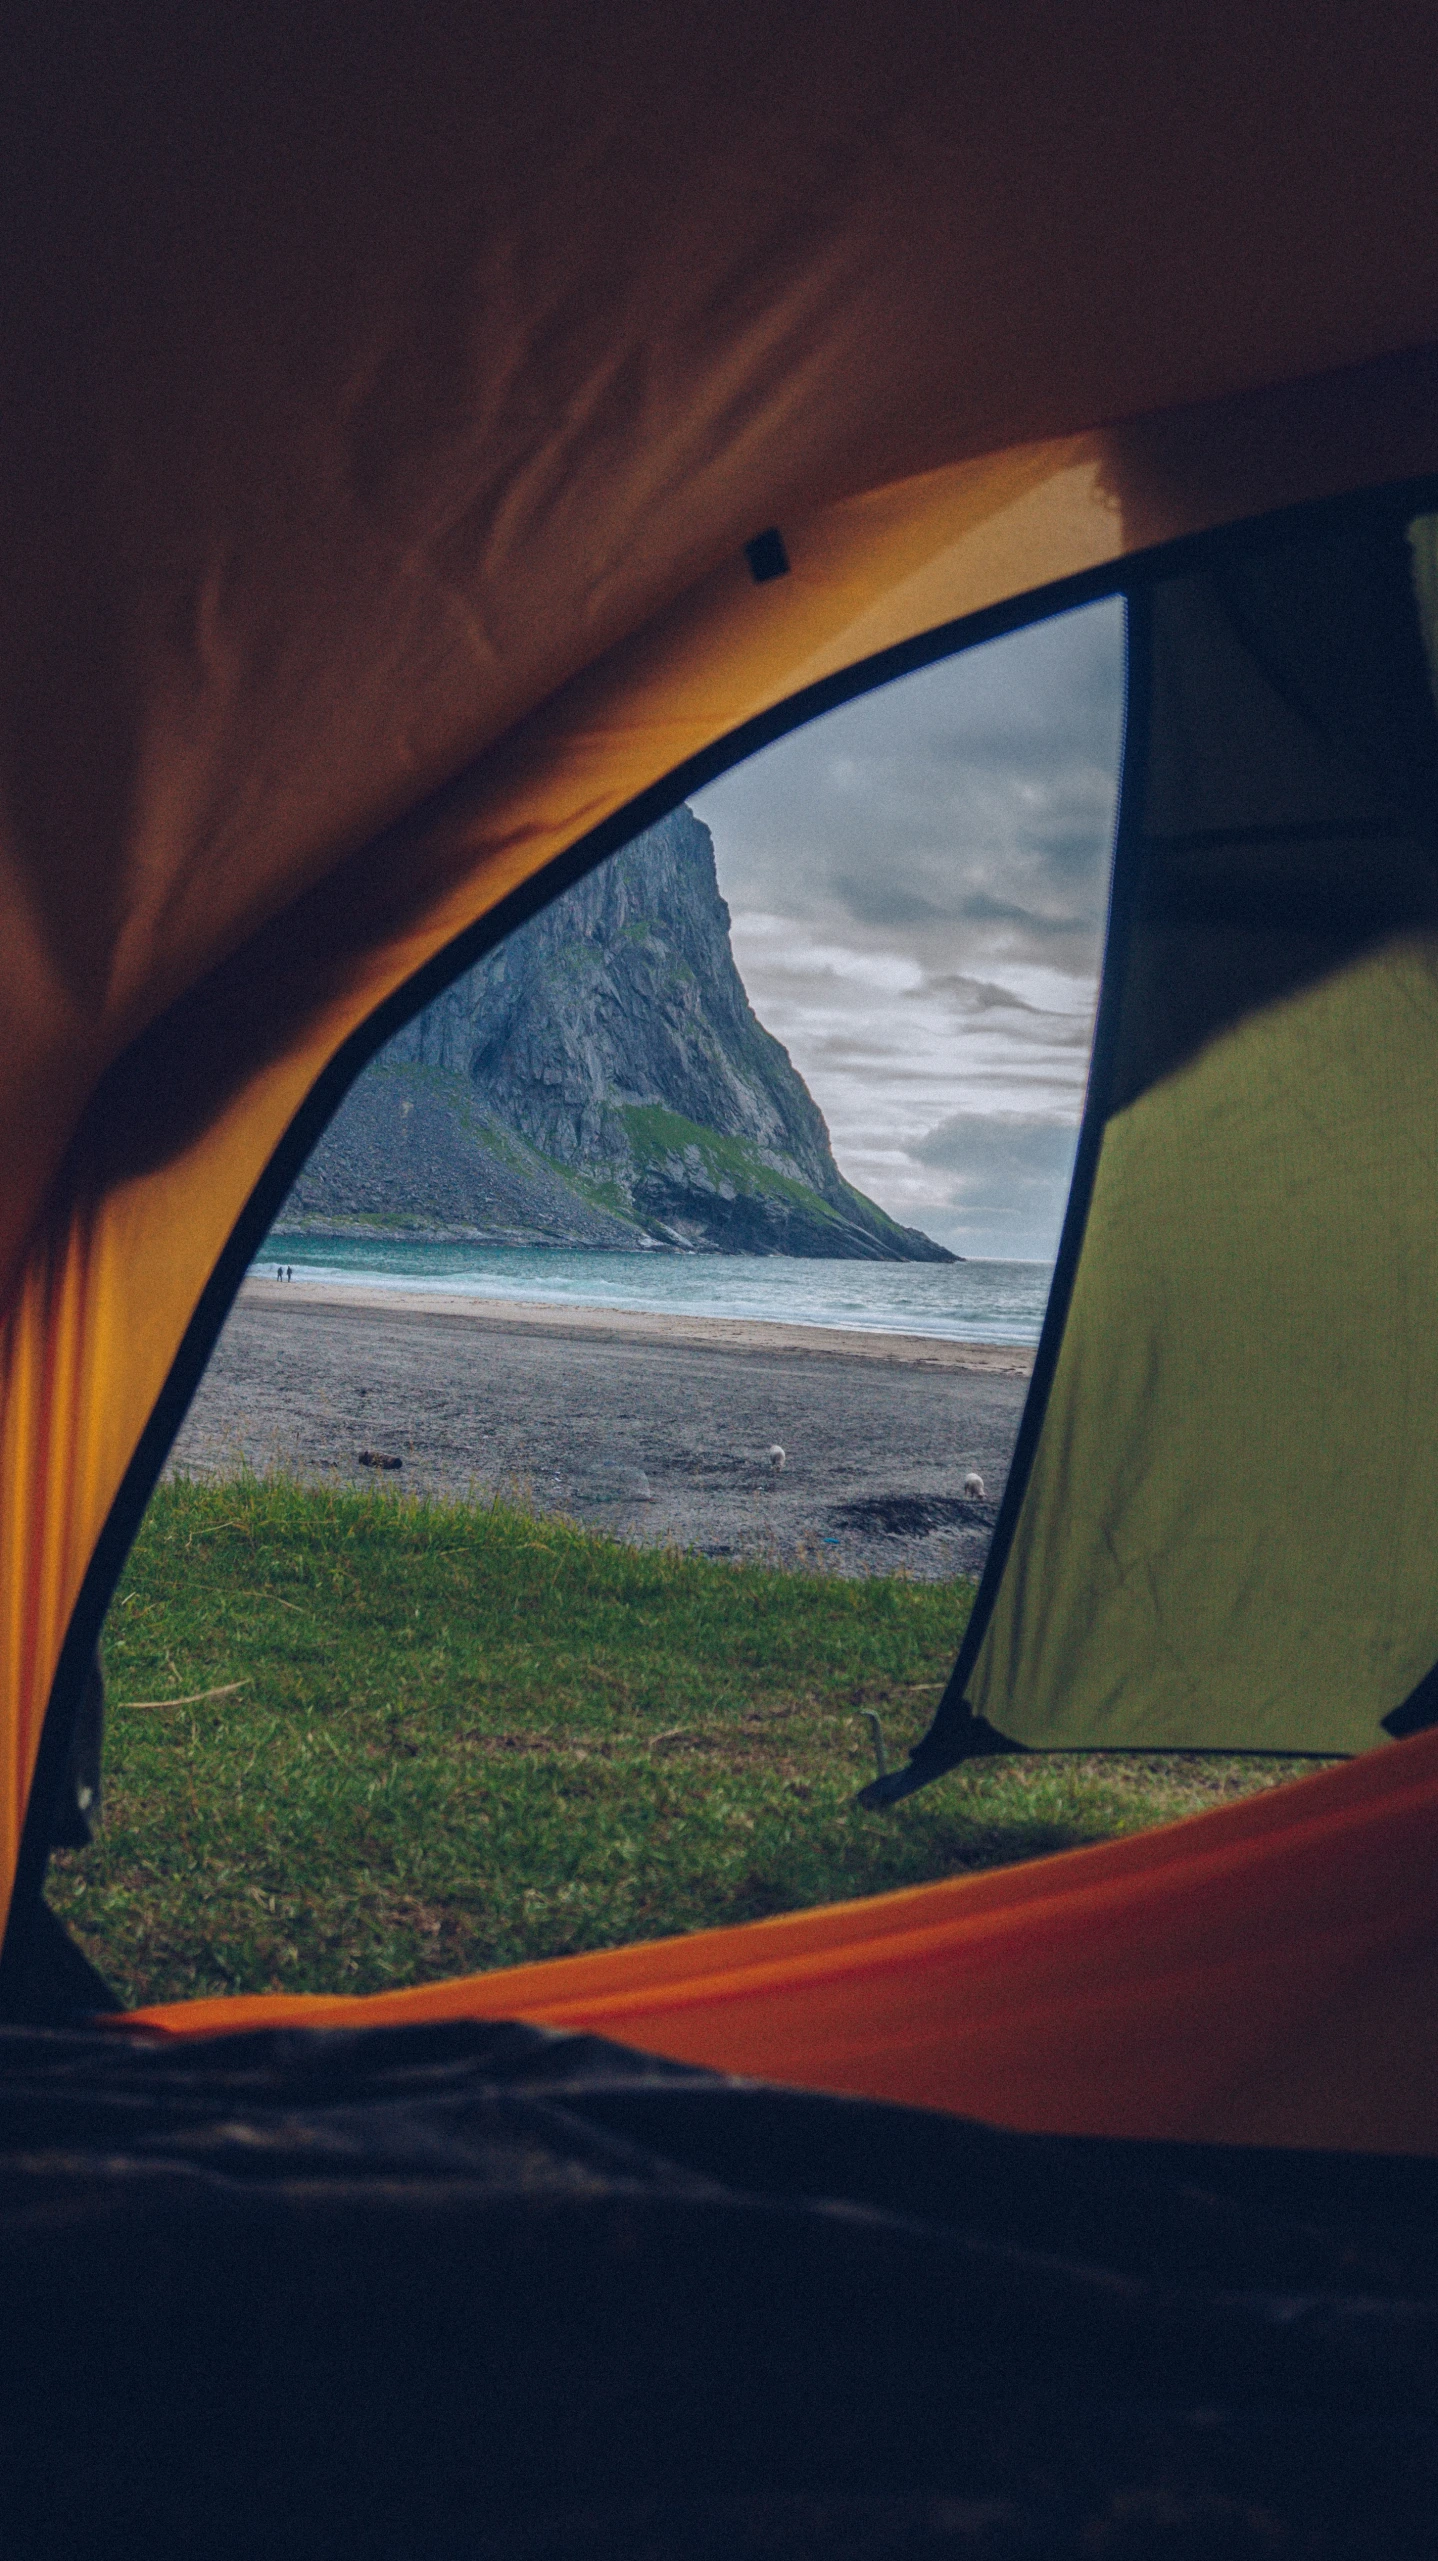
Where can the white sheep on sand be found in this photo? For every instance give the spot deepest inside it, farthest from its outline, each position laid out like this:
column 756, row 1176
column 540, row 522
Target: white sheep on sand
column 776, row 1458
column 974, row 1486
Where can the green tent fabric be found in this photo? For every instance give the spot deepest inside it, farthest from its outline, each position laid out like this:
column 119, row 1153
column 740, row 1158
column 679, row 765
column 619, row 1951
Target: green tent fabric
column 1221, row 1527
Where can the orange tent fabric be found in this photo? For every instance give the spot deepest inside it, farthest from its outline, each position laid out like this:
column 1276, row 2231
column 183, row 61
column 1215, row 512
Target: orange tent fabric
column 1265, row 1973
column 393, row 394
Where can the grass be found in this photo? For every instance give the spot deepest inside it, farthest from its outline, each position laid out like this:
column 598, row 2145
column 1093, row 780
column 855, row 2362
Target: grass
column 467, row 1736
column 658, row 1137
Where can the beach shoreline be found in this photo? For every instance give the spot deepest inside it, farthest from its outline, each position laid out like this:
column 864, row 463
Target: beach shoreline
column 835, row 1450
column 563, row 1321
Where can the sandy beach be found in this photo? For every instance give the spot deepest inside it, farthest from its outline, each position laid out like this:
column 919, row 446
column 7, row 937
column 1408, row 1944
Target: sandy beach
column 652, row 1427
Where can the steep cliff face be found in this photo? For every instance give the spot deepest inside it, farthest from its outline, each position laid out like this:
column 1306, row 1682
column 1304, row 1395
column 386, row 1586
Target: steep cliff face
column 602, row 1079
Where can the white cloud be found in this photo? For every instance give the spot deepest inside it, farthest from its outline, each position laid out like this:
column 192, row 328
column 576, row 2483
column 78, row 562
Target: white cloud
column 918, row 884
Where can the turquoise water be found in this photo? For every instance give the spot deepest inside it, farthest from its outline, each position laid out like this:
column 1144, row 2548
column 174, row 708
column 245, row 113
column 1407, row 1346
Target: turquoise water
column 977, row 1302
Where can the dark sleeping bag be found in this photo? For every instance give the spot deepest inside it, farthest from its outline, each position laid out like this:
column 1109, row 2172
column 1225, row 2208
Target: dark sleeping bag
column 446, row 2293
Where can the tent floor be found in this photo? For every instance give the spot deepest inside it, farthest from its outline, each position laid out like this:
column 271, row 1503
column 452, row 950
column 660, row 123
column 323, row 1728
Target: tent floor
column 475, row 2291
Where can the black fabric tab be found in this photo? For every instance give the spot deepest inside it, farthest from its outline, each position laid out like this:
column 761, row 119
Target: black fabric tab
column 1417, row 1711
column 77, row 1813
column 956, row 1735
column 767, row 557
column 45, row 1979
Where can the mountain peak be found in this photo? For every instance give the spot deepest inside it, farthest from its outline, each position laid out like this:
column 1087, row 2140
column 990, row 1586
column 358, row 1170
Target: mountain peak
column 600, row 1079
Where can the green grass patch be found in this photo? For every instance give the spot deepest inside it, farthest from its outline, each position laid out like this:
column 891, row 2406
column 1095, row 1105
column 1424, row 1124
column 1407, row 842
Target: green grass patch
column 468, row 1736
column 603, row 1192
column 657, row 1136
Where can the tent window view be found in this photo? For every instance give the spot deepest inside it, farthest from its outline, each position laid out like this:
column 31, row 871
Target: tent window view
column 916, row 883
column 441, row 446
column 577, row 1207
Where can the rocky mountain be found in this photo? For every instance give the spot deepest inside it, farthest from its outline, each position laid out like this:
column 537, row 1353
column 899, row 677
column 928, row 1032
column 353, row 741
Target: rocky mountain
column 600, row 1080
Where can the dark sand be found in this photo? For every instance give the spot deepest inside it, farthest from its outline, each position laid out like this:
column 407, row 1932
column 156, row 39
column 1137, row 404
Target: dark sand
column 654, row 1428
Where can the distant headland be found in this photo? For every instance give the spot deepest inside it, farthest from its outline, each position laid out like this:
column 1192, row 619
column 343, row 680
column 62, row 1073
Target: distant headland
column 601, row 1080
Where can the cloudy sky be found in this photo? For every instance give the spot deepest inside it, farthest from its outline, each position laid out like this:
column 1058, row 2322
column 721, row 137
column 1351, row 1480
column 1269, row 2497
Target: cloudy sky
column 918, row 884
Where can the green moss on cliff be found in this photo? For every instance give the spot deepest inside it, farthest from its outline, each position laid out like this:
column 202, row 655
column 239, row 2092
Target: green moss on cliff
column 657, row 1137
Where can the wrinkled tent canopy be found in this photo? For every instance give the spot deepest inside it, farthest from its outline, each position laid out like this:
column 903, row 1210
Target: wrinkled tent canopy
column 394, row 399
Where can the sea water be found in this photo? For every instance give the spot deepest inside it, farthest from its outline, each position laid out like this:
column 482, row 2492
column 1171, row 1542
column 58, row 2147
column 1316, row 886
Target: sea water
column 971, row 1301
